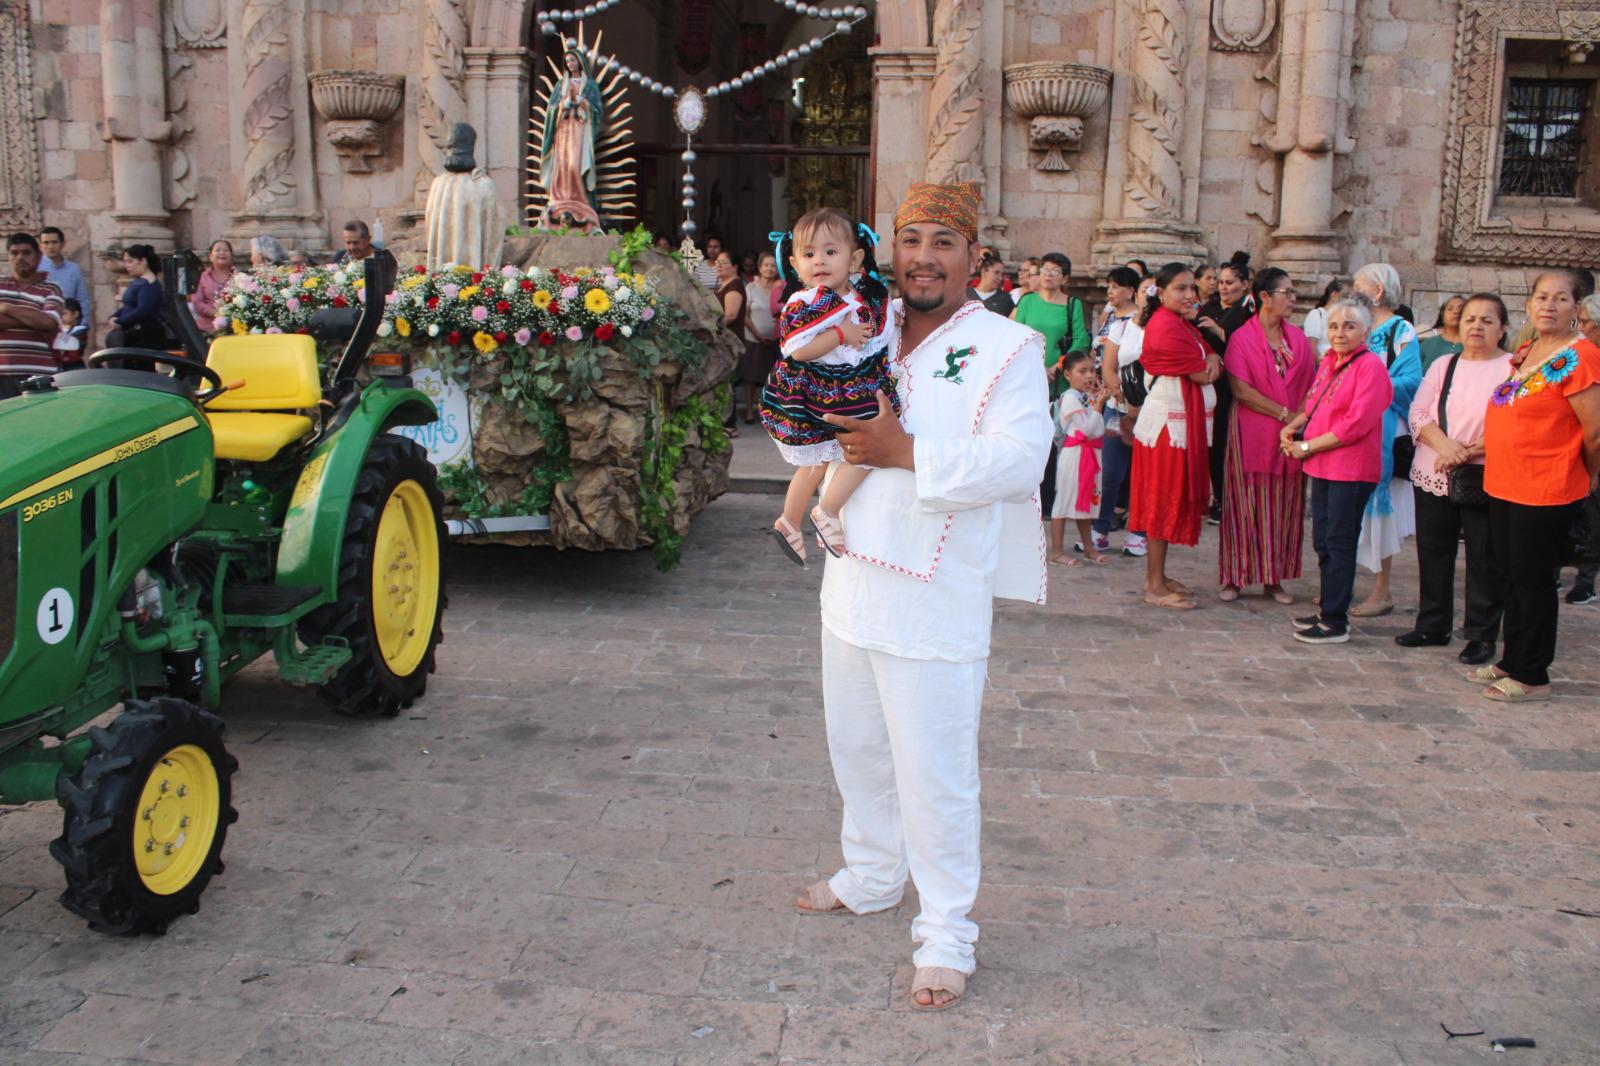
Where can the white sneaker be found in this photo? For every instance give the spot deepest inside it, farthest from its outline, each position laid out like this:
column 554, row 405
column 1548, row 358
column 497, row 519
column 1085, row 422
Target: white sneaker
column 1134, row 546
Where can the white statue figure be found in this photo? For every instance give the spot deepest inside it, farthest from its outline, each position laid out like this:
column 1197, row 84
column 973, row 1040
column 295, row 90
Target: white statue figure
column 463, row 217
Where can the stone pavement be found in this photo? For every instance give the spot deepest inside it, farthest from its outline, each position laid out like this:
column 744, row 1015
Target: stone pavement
column 1203, row 843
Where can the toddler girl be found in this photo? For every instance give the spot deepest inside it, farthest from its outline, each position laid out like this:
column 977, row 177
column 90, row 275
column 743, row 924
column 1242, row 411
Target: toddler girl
column 834, row 337
column 1080, row 426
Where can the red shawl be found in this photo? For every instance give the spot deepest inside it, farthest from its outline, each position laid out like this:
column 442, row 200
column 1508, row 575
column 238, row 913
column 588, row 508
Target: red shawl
column 1173, row 347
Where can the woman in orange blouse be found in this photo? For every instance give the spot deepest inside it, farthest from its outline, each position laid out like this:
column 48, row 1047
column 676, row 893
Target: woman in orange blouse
column 1541, row 444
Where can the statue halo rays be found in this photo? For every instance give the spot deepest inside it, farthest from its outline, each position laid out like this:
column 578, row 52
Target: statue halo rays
column 583, row 128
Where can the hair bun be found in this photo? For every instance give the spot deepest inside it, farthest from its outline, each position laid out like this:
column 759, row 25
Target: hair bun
column 1240, row 259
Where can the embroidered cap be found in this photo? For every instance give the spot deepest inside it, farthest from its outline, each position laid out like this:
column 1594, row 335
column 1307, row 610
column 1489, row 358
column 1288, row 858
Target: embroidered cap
column 954, row 205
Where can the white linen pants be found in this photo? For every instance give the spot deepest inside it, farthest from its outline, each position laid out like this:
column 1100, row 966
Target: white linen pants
column 903, row 737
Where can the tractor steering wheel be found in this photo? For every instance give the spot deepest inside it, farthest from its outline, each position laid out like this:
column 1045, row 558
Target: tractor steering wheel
column 184, row 367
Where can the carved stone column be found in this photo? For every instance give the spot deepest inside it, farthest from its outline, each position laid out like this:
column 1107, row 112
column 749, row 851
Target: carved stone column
column 1152, row 222
column 133, row 81
column 497, row 84
column 272, row 150
column 442, row 101
column 1312, row 125
column 903, row 66
column 955, row 103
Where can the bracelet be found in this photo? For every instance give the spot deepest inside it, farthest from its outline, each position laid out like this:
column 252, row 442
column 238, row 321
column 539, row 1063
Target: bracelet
column 837, row 331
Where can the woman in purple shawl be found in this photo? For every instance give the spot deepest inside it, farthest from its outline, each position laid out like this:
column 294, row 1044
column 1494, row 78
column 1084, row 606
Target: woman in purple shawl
column 1270, row 364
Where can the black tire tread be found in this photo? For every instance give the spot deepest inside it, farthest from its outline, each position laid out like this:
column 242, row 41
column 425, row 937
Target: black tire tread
column 364, row 687
column 95, row 847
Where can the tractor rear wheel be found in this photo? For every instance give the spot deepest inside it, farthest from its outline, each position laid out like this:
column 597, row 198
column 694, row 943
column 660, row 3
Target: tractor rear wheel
column 391, row 600
column 146, row 817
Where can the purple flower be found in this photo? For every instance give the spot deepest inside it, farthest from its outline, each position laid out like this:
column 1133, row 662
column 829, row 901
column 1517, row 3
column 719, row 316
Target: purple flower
column 1504, row 394
column 392, row 298
column 647, row 314
column 573, row 332
column 569, row 293
column 292, row 304
column 480, row 313
column 508, row 272
column 522, row 336
column 450, row 290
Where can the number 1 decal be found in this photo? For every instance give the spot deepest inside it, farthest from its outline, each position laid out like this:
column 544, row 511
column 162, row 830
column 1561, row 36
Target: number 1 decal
column 55, row 616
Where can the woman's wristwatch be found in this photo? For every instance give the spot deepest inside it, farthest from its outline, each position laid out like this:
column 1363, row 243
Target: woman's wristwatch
column 1305, row 448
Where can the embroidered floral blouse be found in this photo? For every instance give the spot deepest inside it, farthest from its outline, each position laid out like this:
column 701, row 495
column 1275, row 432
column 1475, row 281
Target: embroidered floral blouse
column 1532, row 439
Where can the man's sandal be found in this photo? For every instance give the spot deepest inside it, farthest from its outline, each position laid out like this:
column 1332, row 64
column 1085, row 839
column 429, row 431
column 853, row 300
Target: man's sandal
column 830, row 534
column 936, row 979
column 1509, row 690
column 821, row 900
column 1487, row 674
column 790, row 540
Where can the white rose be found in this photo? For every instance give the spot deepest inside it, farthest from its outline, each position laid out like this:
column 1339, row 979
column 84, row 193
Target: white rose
column 385, row 328
column 338, row 277
column 240, row 300
column 221, row 322
column 627, row 331
column 610, row 281
column 433, row 330
column 417, row 297
column 286, row 293
column 508, row 289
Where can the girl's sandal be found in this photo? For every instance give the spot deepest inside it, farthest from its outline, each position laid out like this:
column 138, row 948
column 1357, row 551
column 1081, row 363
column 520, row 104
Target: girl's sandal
column 821, row 900
column 1064, row 560
column 1509, row 690
column 1487, row 674
column 830, row 534
column 1099, row 559
column 790, row 540
column 936, row 979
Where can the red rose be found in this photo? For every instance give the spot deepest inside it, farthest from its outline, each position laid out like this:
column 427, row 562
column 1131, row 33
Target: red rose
column 500, row 336
column 554, row 308
column 546, row 338
column 502, row 306
column 525, row 285
column 453, row 337
column 340, row 301
column 264, row 298
column 433, row 303
column 604, row 331
column 419, row 269
column 477, row 278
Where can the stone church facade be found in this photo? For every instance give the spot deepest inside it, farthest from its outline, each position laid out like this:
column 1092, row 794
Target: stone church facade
column 1457, row 139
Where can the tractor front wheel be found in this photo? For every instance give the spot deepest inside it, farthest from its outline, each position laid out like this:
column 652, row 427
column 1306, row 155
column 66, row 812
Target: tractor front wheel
column 391, row 583
column 146, row 817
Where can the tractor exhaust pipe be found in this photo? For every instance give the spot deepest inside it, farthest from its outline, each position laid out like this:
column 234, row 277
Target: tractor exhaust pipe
column 379, row 280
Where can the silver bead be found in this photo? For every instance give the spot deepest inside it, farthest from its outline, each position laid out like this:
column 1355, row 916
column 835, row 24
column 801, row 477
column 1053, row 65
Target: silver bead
column 688, row 155
column 668, row 91
column 688, row 177
column 806, row 49
column 688, row 226
column 634, row 76
column 589, row 12
column 688, row 203
column 843, row 27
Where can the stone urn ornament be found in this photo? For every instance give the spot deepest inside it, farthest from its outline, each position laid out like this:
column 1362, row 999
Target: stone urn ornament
column 1056, row 98
column 355, row 104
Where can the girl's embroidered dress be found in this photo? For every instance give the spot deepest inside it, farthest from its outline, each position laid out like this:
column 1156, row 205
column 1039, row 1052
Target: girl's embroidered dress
column 1081, row 429
column 845, row 381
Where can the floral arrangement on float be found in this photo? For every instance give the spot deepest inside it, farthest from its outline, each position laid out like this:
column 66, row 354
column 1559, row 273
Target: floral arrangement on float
column 484, row 310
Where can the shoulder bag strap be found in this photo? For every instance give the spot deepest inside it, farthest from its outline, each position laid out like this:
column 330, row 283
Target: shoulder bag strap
column 1332, row 381
column 1444, row 396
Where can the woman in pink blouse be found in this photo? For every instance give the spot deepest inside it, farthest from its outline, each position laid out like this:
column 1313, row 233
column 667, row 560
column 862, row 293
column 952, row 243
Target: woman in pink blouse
column 1447, row 424
column 208, row 290
column 1339, row 440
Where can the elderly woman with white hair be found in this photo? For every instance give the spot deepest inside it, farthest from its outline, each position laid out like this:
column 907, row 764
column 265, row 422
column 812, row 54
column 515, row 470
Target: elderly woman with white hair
column 267, row 251
column 1391, row 511
column 1339, row 439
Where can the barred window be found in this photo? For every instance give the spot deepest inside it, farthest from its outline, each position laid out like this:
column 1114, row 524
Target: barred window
column 1542, row 144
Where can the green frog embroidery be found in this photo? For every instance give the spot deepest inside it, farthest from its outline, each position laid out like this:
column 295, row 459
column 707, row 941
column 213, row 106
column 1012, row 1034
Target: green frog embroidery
column 955, row 361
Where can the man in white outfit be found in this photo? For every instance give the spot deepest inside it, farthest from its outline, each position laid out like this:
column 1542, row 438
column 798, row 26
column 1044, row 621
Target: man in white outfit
column 948, row 520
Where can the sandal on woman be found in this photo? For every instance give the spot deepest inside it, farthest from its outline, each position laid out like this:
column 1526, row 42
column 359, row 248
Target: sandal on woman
column 1279, row 593
column 1180, row 588
column 1064, row 560
column 830, row 534
column 1510, row 690
column 1487, row 674
column 1228, row 593
column 1172, row 601
column 936, row 979
column 821, row 900
column 790, row 540
column 1376, row 610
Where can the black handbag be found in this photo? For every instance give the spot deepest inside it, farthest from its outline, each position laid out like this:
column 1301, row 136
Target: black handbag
column 1131, row 378
column 1466, row 481
column 1403, row 450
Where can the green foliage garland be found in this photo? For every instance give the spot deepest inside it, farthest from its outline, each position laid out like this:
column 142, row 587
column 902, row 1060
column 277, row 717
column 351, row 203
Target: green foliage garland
column 663, row 455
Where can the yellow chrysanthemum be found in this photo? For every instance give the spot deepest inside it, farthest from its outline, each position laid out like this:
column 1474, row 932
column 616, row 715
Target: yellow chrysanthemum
column 311, row 282
column 584, row 272
column 541, row 299
column 414, row 280
column 484, row 342
column 239, row 328
column 402, row 327
column 469, row 292
column 463, row 269
column 597, row 302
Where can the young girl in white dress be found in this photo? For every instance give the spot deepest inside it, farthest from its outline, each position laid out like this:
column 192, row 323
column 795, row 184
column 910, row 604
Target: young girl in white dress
column 1080, row 427
column 835, row 339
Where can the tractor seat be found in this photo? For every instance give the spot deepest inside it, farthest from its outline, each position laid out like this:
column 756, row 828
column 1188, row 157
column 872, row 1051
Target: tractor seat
column 255, row 422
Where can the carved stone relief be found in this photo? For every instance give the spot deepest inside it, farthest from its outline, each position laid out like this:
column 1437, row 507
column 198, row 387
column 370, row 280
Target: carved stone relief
column 443, row 100
column 1155, row 167
column 180, row 174
column 955, row 105
column 1469, row 228
column 1580, row 30
column 1242, row 25
column 268, row 179
column 19, row 159
column 198, row 23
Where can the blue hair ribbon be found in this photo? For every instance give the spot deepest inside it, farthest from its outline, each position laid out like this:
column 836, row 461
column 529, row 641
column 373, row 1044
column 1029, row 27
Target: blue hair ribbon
column 776, row 237
column 864, row 230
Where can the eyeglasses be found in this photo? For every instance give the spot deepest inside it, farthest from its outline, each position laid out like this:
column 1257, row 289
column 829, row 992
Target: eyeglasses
column 1280, row 292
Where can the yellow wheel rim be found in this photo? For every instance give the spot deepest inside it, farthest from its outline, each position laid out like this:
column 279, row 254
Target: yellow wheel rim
column 177, row 819
column 405, row 578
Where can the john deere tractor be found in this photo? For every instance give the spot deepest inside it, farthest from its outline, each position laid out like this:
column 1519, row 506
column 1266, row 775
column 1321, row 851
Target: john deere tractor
column 165, row 520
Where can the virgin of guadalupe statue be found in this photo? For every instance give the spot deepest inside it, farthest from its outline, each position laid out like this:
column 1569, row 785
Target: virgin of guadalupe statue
column 574, row 122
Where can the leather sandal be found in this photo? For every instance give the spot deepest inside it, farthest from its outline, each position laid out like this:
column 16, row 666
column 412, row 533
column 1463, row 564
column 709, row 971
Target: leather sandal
column 933, row 979
column 790, row 540
column 1361, row 610
column 830, row 534
column 821, row 900
column 1510, row 690
column 1487, row 674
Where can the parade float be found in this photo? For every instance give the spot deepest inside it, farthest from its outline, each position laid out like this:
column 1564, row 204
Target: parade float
column 580, row 406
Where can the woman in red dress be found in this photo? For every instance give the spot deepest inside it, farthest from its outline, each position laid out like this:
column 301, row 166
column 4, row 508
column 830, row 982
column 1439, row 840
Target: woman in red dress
column 1171, row 452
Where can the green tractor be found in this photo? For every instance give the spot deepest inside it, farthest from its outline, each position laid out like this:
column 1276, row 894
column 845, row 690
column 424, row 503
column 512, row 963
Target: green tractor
column 165, row 520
